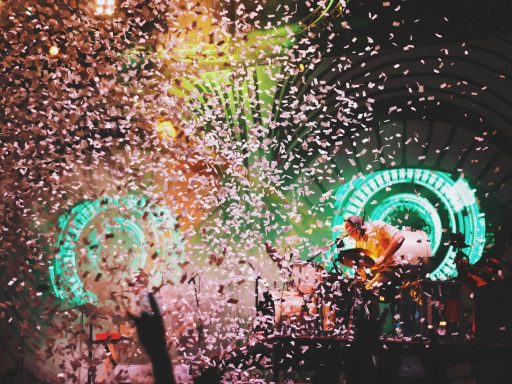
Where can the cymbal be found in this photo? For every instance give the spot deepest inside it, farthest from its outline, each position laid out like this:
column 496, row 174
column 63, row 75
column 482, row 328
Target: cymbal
column 356, row 256
column 354, row 251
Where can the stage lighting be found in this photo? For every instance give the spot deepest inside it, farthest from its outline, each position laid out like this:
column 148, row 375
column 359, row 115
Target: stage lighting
column 166, row 128
column 141, row 229
column 54, row 50
column 105, row 7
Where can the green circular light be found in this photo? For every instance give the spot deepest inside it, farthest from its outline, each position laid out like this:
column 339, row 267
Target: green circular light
column 149, row 228
column 419, row 205
column 457, row 197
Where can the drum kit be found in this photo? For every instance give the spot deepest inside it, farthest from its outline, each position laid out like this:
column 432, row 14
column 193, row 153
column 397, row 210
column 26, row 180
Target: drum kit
column 315, row 301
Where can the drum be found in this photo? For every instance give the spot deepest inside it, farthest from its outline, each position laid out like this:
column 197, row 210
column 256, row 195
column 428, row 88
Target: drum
column 306, row 276
column 294, row 310
column 415, row 250
column 328, row 316
column 301, row 312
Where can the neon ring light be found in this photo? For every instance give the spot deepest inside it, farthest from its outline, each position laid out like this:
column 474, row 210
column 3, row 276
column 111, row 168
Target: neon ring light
column 456, row 196
column 127, row 214
column 420, row 205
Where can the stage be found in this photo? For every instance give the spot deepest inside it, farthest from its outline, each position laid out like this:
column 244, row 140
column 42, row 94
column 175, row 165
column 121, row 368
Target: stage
column 252, row 191
column 390, row 360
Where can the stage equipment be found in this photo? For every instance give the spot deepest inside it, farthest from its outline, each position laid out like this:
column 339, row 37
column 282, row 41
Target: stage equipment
column 493, row 311
column 442, row 192
column 355, row 257
column 442, row 307
column 431, row 308
column 306, row 276
column 296, row 313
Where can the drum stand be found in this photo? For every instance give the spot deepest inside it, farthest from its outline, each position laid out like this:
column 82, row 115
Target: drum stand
column 358, row 301
column 200, row 325
column 318, row 299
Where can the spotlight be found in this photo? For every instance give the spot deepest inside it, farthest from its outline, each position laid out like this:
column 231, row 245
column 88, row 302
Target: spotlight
column 54, row 50
column 166, row 128
column 105, row 7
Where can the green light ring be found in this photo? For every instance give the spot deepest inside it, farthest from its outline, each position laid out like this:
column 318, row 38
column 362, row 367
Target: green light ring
column 426, row 178
column 395, row 177
column 420, row 205
column 63, row 271
column 136, row 232
column 457, row 196
column 372, row 184
column 66, row 284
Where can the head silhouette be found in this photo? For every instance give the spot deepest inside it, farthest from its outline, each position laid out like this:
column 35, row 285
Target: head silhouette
column 354, row 226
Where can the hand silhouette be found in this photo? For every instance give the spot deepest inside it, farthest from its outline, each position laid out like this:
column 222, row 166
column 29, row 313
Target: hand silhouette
column 151, row 331
column 150, row 328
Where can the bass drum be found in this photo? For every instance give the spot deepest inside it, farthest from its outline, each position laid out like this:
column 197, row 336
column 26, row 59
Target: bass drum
column 306, row 276
column 294, row 311
column 415, row 250
column 300, row 313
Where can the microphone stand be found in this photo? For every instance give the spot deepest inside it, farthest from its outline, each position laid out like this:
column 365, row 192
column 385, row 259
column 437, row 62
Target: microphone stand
column 339, row 244
column 256, row 292
column 90, row 372
column 256, row 287
column 83, row 311
column 193, row 280
column 199, row 326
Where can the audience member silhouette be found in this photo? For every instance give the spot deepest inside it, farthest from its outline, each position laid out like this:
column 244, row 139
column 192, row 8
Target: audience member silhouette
column 151, row 331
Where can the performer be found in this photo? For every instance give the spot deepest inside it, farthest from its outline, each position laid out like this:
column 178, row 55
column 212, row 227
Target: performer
column 381, row 241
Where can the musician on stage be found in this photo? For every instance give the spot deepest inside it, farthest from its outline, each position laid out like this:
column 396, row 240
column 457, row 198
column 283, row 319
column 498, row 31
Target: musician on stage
column 381, row 241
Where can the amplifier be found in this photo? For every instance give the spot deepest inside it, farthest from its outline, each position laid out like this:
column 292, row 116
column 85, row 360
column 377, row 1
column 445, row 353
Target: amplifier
column 431, row 306
column 493, row 311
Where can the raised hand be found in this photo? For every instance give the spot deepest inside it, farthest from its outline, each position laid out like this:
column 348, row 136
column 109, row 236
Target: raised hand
column 150, row 328
column 151, row 331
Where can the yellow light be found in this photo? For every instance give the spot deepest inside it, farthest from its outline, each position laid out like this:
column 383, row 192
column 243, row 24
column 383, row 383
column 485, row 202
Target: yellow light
column 105, row 7
column 166, row 128
column 54, row 50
